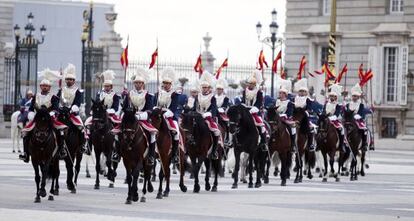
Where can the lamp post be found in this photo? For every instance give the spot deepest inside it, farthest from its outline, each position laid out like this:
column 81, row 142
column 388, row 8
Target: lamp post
column 271, row 42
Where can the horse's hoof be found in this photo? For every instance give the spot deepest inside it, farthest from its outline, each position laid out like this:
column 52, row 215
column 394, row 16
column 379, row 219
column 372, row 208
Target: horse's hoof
column 135, row 198
column 128, row 201
column 141, row 180
column 183, row 188
column 143, row 199
column 42, row 193
column 159, row 195
column 73, row 191
column 174, row 172
column 207, row 187
column 283, row 183
column 196, row 188
column 352, row 178
column 165, row 194
column 346, row 173
column 266, row 180
column 88, row 175
column 150, row 188
column 337, row 179
column 257, row 185
column 362, row 173
column 111, row 185
column 296, row 180
column 234, row 186
column 14, row 151
column 366, row 165
column 50, row 198
column 300, row 180
column 37, row 199
column 317, row 170
column 324, row 180
column 310, row 176
column 320, row 175
column 243, row 180
column 214, row 189
column 250, row 185
column 96, row 187
column 356, row 178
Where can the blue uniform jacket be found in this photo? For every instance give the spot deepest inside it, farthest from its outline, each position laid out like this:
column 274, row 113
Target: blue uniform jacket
column 173, row 105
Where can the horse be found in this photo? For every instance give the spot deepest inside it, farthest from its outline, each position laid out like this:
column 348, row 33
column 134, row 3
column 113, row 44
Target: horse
column 354, row 139
column 41, row 145
column 164, row 143
column 73, row 142
column 103, row 141
column 198, row 142
column 133, row 148
column 245, row 139
column 279, row 142
column 16, row 130
column 301, row 118
column 327, row 140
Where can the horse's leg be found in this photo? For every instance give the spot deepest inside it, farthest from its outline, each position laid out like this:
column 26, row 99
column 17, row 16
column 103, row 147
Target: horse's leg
column 97, row 167
column 44, row 169
column 37, row 180
column 259, row 164
column 217, row 166
column 362, row 163
column 266, row 174
column 182, row 172
column 129, row 182
column 208, row 173
column 196, row 169
column 153, row 171
column 134, row 187
column 161, row 179
column 353, row 164
column 69, row 177
column 284, row 167
column 250, row 169
column 297, row 165
column 88, row 175
column 79, row 156
column 325, row 165
column 111, row 172
column 236, row 168
column 147, row 179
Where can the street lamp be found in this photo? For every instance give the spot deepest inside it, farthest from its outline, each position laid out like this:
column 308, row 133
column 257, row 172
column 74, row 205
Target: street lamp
column 270, row 41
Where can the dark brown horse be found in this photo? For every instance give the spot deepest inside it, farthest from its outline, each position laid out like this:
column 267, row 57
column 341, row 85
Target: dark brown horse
column 279, row 143
column 133, row 147
column 301, row 118
column 327, row 140
column 41, row 143
column 198, row 142
column 354, row 138
column 74, row 139
column 164, row 143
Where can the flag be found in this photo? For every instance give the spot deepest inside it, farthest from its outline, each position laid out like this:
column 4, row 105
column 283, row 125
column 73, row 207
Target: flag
column 225, row 64
column 153, row 58
column 262, row 61
column 322, row 71
column 283, row 74
column 366, row 77
column 198, row 66
column 361, row 72
column 274, row 66
column 342, row 73
column 301, row 67
column 124, row 57
column 329, row 74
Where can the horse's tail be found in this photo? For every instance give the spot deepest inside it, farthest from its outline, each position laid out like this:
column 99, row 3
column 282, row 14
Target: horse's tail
column 310, row 158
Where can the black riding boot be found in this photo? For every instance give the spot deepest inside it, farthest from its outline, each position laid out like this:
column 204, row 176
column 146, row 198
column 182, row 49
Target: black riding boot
column 341, row 141
column 213, row 154
column 174, row 152
column 61, row 145
column 151, row 154
column 115, row 152
column 311, row 145
column 25, row 155
column 364, row 135
column 262, row 144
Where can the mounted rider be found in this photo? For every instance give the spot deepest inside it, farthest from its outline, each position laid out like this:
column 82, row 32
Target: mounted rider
column 334, row 110
column 356, row 106
column 223, row 103
column 194, row 90
column 285, row 109
column 252, row 97
column 24, row 107
column 167, row 99
column 206, row 105
column 44, row 98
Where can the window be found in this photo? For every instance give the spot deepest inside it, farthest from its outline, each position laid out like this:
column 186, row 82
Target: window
column 324, row 55
column 326, row 7
column 389, row 128
column 391, row 74
column 397, row 6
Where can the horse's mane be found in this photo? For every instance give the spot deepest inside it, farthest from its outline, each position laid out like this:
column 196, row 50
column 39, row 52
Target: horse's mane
column 246, row 119
column 128, row 118
column 42, row 115
column 304, row 122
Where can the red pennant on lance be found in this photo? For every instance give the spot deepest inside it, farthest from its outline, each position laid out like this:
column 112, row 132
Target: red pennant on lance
column 198, row 66
column 301, row 67
column 225, row 64
column 343, row 72
column 278, row 57
column 361, row 71
column 366, row 77
column 283, row 74
column 329, row 75
column 153, row 58
column 124, row 58
column 262, row 61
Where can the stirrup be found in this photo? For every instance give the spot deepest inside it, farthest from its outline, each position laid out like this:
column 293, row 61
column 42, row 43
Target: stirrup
column 24, row 157
column 312, row 148
column 115, row 157
column 62, row 153
column 151, row 160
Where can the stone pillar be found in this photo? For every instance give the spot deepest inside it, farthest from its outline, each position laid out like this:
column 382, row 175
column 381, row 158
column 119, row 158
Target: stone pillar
column 112, row 48
column 207, row 56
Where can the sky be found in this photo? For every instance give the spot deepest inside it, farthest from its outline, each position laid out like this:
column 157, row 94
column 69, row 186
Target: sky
column 180, row 25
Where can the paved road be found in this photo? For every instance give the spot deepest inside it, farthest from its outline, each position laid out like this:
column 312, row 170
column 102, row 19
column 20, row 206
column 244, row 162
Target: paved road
column 385, row 193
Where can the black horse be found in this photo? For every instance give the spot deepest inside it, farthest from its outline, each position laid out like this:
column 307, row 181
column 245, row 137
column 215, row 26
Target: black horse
column 103, row 141
column 74, row 139
column 41, row 144
column 245, row 139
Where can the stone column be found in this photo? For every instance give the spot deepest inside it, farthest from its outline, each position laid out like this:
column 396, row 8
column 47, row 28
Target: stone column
column 207, row 56
column 112, row 48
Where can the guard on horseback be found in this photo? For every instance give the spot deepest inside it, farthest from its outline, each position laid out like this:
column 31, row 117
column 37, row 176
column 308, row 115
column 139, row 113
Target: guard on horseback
column 167, row 99
column 356, row 106
column 252, row 97
column 24, row 107
column 70, row 96
column 333, row 110
column 206, row 105
column 51, row 102
column 302, row 100
column 194, row 90
column 285, row 109
column 223, row 103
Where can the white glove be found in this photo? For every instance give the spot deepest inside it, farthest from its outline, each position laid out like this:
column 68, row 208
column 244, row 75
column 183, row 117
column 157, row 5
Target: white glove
column 110, row 111
column 168, row 114
column 31, row 115
column 207, row 114
column 283, row 115
column 357, row 117
column 74, row 109
column 254, row 110
column 52, row 113
column 333, row 118
column 221, row 110
column 142, row 116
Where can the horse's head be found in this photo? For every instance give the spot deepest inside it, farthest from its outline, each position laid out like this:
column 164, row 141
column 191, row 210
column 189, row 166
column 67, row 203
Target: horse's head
column 273, row 117
column 64, row 115
column 129, row 124
column 235, row 116
column 349, row 121
column 99, row 115
column 188, row 121
column 323, row 124
column 156, row 117
column 43, row 126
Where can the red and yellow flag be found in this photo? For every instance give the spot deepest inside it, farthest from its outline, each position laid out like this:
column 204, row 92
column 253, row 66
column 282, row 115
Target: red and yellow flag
column 124, row 57
column 225, row 64
column 342, row 73
column 262, row 61
column 198, row 66
column 301, row 67
column 153, row 58
column 274, row 66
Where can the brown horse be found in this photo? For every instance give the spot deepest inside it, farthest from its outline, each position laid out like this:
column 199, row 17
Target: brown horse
column 41, row 143
column 103, row 141
column 354, row 138
column 198, row 142
column 301, row 118
column 133, row 148
column 164, row 143
column 279, row 143
column 327, row 140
